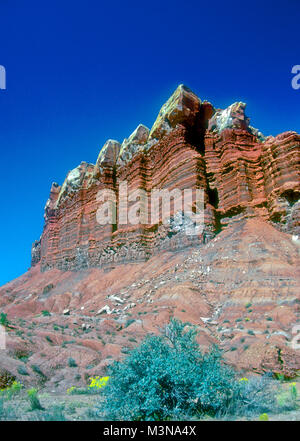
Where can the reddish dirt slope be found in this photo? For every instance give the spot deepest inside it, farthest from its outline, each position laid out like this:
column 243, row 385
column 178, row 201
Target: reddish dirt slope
column 241, row 290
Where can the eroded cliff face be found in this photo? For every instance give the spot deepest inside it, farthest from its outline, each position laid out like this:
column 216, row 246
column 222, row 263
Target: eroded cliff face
column 190, row 146
column 237, row 281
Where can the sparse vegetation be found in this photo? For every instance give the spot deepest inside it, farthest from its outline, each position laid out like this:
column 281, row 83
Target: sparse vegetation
column 6, row 379
column 3, row 319
column 72, row 363
column 38, row 371
column 48, row 288
column 129, row 322
column 33, row 400
column 168, row 377
column 22, row 370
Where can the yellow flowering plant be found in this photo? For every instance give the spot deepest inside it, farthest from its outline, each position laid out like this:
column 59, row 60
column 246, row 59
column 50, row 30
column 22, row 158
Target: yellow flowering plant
column 14, row 388
column 293, row 391
column 97, row 382
column 264, row 417
column 71, row 390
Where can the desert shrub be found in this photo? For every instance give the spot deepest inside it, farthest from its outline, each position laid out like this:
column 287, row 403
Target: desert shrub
column 56, row 413
column 280, row 377
column 6, row 379
column 72, row 408
column 39, row 372
column 46, row 313
column 22, row 370
column 7, row 411
column 254, row 395
column 132, row 339
column 287, row 399
column 293, row 391
column 67, row 342
column 129, row 322
column 167, row 377
column 3, row 319
column 71, row 362
column 90, row 414
column 21, row 354
column 48, row 288
column 12, row 390
column 33, row 400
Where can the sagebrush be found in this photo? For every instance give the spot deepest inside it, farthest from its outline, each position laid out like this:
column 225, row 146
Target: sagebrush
column 169, row 377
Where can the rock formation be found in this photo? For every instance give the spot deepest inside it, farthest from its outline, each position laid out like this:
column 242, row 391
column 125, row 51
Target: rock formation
column 191, row 145
column 105, row 286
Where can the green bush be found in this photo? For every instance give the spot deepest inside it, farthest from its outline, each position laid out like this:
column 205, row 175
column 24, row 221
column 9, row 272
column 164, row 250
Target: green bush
column 33, row 400
column 22, row 370
column 254, row 396
column 3, row 319
column 37, row 370
column 7, row 411
column 167, row 377
column 72, row 363
column 48, row 288
column 6, row 379
column 129, row 322
column 287, row 399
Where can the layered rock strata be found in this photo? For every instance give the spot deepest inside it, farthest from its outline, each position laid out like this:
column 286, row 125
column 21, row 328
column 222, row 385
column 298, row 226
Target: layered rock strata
column 190, row 146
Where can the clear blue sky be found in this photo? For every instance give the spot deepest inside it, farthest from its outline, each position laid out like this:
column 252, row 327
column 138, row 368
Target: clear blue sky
column 80, row 72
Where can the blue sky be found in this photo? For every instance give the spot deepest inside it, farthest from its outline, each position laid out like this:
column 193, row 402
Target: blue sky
column 79, row 73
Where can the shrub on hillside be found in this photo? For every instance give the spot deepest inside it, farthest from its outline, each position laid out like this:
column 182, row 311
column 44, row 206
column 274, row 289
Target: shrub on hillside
column 167, row 377
column 3, row 319
column 34, row 400
column 6, row 379
column 254, row 395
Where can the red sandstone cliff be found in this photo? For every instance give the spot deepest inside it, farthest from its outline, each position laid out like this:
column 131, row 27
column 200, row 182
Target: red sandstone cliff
column 191, row 145
column 238, row 281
